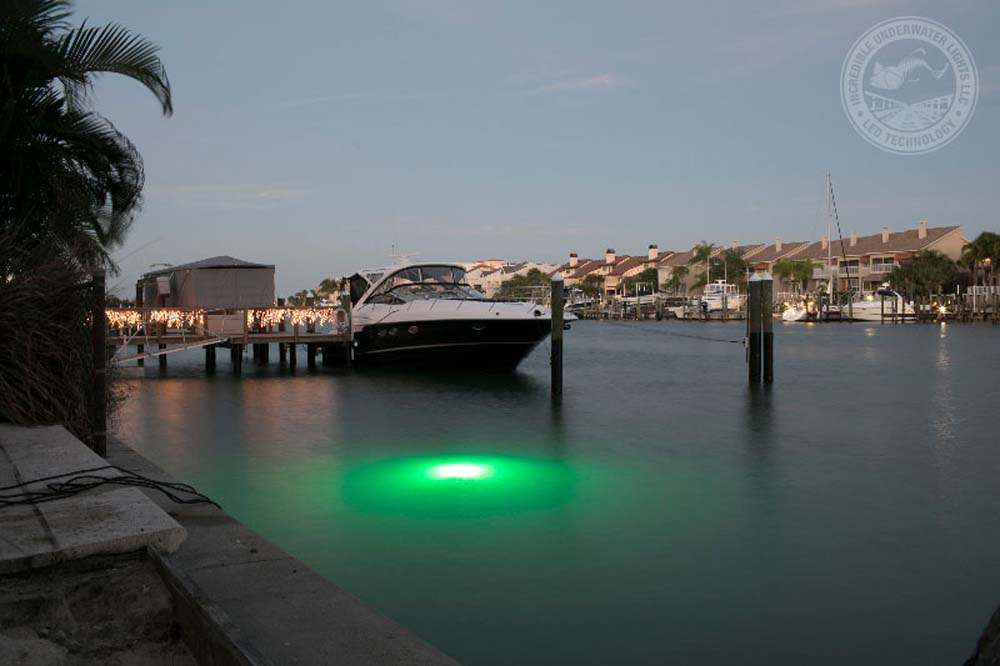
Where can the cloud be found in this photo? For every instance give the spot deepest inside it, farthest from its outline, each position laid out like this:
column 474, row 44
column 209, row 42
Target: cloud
column 229, row 197
column 599, row 82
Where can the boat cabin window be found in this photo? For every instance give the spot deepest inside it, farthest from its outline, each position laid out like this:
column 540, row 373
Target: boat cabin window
column 425, row 282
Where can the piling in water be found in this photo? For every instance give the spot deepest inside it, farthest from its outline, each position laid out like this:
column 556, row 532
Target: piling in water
column 767, row 325
column 556, row 360
column 754, row 324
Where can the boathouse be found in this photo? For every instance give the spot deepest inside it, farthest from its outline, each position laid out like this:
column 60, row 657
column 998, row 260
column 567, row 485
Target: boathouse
column 216, row 282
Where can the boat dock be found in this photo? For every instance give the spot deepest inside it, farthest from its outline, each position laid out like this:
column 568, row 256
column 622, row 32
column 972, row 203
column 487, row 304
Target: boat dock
column 137, row 334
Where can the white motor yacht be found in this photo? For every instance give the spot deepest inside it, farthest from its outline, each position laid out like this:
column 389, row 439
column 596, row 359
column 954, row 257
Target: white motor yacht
column 426, row 314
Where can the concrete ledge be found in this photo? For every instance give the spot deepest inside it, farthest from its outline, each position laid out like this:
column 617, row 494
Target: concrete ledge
column 104, row 520
column 243, row 600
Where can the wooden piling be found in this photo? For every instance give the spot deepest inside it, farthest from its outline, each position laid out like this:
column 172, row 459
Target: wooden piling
column 138, row 303
column 162, row 357
column 556, row 360
column 754, row 328
column 311, row 355
column 99, row 411
column 767, row 326
column 210, row 359
column 236, row 356
column 345, row 303
column 291, row 354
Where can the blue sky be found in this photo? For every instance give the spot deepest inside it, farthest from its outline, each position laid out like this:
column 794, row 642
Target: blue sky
column 317, row 135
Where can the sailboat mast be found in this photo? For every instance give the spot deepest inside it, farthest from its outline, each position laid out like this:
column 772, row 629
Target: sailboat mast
column 829, row 239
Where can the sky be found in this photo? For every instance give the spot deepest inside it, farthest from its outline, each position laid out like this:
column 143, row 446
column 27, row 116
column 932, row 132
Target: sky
column 321, row 136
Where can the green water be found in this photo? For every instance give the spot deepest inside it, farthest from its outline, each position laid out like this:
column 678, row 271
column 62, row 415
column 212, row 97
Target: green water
column 665, row 513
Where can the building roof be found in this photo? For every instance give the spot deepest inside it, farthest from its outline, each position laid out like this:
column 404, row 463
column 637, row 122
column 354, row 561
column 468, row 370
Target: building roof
column 586, row 267
column 772, row 253
column 626, row 264
column 900, row 241
column 222, row 261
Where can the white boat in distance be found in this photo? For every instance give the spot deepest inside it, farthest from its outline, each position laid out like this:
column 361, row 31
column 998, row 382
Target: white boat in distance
column 721, row 292
column 870, row 308
column 425, row 314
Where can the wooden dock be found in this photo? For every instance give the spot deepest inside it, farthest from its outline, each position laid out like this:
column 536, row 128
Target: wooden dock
column 137, row 334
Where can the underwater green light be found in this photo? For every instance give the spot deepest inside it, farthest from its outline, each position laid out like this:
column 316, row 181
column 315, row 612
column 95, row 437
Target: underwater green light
column 460, row 470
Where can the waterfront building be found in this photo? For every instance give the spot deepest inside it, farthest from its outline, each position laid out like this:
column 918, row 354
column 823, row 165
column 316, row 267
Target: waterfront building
column 863, row 263
column 215, row 282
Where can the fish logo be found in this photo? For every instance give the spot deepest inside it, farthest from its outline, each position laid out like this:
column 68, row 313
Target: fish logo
column 893, row 78
column 909, row 85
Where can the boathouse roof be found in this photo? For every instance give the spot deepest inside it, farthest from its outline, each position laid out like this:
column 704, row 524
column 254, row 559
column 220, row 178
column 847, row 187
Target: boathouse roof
column 221, row 261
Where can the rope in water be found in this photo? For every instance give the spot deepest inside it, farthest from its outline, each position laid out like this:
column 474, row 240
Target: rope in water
column 76, row 482
column 661, row 331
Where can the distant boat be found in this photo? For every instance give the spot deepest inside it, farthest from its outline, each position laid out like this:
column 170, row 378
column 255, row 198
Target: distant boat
column 720, row 294
column 798, row 312
column 426, row 314
column 870, row 308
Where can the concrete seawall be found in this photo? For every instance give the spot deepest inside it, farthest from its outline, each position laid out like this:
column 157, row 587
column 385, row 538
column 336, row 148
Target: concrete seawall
column 242, row 600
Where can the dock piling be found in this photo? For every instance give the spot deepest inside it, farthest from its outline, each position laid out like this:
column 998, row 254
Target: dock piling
column 754, row 328
column 557, row 334
column 767, row 327
column 210, row 359
column 236, row 356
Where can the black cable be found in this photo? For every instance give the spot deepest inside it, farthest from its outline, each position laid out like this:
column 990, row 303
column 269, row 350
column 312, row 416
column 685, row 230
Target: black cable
column 674, row 333
column 78, row 481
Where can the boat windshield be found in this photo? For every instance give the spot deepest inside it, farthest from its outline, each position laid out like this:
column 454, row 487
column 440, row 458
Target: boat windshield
column 425, row 283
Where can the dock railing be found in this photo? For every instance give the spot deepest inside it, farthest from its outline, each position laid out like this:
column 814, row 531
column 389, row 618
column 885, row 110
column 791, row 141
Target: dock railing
column 257, row 325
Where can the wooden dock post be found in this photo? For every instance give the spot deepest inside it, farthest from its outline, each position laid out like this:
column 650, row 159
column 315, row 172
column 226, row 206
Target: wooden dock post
column 767, row 325
column 754, row 328
column 556, row 360
column 138, row 303
column 282, row 351
column 236, row 356
column 311, row 355
column 345, row 303
column 210, row 360
column 291, row 354
column 162, row 357
column 99, row 411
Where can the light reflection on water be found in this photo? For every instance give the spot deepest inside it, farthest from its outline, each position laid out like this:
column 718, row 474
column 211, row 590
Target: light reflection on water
column 666, row 512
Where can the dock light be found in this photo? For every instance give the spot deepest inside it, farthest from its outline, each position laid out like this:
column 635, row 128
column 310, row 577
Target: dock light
column 463, row 471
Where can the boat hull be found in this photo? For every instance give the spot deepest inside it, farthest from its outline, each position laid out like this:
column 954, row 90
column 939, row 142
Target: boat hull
column 468, row 344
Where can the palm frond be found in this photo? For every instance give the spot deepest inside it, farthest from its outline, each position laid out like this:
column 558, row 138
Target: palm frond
column 114, row 49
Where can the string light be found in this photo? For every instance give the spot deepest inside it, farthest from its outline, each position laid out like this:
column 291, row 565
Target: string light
column 261, row 317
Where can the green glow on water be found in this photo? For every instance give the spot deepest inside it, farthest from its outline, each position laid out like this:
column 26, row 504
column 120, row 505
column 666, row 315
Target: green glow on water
column 460, row 471
column 457, row 485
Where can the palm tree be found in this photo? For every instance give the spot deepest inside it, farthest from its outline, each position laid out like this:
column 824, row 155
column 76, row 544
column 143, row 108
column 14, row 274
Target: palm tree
column 68, row 178
column 802, row 272
column 783, row 269
column 983, row 252
column 700, row 256
column 926, row 274
column 678, row 279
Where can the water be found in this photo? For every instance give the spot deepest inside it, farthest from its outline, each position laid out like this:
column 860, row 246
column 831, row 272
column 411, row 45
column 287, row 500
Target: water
column 666, row 514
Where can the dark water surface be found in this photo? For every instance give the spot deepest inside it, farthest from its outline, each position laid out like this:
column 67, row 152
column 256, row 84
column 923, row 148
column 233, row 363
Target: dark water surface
column 665, row 514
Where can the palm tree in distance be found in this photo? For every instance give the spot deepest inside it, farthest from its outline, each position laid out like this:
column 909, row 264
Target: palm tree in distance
column 678, row 279
column 983, row 252
column 783, row 269
column 68, row 178
column 700, row 256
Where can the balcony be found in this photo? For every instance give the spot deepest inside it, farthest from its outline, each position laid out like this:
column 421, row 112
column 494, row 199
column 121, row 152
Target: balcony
column 882, row 266
column 848, row 270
